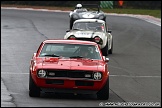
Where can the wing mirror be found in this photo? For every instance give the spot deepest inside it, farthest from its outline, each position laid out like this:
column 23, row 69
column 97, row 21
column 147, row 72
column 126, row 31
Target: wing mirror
column 34, row 54
column 106, row 59
column 109, row 31
column 67, row 30
column 33, row 58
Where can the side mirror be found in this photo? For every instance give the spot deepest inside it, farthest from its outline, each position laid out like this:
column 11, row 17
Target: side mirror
column 106, row 59
column 34, row 54
column 33, row 58
column 109, row 31
column 67, row 30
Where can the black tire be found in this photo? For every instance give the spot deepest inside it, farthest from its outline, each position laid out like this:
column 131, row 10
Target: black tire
column 111, row 50
column 34, row 91
column 103, row 94
column 105, row 50
column 71, row 23
column 105, row 19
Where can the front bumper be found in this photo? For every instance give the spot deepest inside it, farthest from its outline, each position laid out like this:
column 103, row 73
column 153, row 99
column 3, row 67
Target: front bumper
column 74, row 91
column 70, row 84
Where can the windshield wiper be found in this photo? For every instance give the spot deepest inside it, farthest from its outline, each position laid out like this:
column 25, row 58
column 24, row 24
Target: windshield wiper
column 76, row 57
column 52, row 55
column 81, row 57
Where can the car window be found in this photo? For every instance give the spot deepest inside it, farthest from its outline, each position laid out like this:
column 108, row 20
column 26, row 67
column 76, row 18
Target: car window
column 70, row 50
column 89, row 26
column 80, row 10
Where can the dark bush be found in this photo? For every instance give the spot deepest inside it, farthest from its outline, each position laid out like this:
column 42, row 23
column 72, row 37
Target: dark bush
column 126, row 4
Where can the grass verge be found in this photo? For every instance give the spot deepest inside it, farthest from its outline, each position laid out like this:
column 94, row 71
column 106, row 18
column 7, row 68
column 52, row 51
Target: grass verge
column 154, row 13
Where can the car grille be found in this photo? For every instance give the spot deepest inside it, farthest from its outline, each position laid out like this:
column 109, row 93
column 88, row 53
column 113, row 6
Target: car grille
column 69, row 74
column 77, row 82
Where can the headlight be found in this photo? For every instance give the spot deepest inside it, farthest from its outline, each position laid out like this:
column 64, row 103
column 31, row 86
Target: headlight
column 98, row 40
column 41, row 73
column 72, row 37
column 97, row 76
column 101, row 17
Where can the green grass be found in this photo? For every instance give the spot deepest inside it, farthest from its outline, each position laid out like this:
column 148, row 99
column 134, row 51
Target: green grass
column 155, row 13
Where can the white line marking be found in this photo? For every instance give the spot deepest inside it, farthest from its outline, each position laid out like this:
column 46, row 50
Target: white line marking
column 159, row 24
column 135, row 76
column 7, row 73
column 14, row 73
column 148, row 18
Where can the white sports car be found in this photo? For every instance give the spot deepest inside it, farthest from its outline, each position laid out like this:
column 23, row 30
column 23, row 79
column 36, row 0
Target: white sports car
column 92, row 30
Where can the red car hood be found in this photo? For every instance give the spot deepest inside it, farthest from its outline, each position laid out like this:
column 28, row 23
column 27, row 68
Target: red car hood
column 74, row 64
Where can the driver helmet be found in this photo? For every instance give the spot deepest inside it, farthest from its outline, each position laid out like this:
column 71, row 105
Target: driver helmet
column 78, row 6
column 84, row 51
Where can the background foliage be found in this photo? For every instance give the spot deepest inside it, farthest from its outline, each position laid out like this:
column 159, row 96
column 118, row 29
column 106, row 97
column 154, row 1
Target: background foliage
column 126, row 4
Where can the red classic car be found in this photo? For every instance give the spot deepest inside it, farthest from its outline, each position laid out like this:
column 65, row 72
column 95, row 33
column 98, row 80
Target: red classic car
column 69, row 66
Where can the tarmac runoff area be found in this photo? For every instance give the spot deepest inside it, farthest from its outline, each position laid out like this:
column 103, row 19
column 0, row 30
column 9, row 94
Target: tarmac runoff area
column 6, row 98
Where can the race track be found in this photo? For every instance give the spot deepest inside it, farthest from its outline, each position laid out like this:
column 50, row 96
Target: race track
column 135, row 65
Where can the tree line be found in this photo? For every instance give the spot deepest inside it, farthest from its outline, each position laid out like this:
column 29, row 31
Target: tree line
column 126, row 4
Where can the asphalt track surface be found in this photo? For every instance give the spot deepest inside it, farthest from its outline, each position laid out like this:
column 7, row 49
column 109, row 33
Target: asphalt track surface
column 135, row 65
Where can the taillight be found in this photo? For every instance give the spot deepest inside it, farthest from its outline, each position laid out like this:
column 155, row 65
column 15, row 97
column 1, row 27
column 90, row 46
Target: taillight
column 72, row 37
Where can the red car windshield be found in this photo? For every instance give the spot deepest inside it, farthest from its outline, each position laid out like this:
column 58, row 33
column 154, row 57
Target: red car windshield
column 70, row 50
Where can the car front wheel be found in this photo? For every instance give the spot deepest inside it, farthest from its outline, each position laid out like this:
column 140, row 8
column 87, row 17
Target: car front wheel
column 34, row 91
column 103, row 94
column 71, row 23
column 111, row 50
